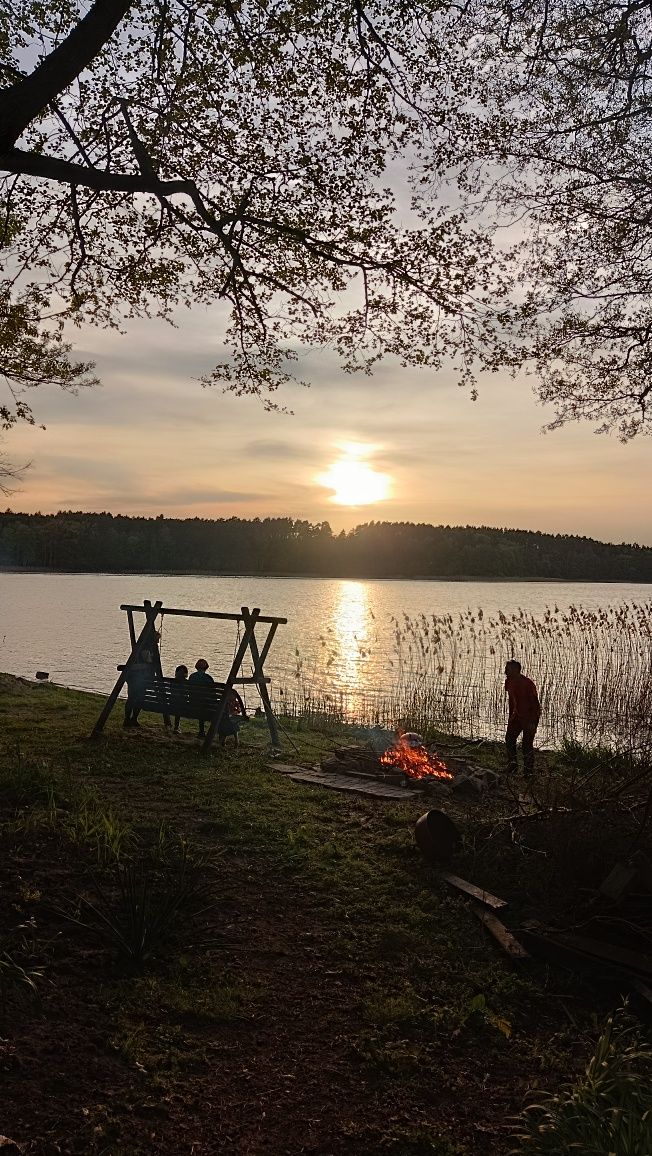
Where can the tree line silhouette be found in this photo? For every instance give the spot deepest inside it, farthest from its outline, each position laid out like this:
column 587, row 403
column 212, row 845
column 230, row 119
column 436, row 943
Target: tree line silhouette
column 103, row 542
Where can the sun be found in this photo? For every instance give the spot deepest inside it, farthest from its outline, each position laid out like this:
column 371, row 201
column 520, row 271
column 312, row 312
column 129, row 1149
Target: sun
column 354, row 482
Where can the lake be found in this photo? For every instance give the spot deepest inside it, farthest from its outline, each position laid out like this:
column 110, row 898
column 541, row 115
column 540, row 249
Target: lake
column 340, row 637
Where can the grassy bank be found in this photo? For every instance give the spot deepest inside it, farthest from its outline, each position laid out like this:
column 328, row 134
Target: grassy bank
column 200, row 956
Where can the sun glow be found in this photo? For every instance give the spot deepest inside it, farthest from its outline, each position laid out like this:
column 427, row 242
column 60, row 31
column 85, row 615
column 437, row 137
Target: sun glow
column 353, row 481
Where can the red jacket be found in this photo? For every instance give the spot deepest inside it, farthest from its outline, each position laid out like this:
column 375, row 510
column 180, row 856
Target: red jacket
column 524, row 704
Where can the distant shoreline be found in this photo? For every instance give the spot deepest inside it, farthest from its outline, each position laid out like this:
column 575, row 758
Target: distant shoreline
column 335, row 577
column 233, row 548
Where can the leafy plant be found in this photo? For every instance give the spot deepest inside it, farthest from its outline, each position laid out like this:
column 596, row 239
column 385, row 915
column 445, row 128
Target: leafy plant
column 606, row 1113
column 24, row 783
column 478, row 1006
column 149, row 900
column 16, row 982
column 91, row 822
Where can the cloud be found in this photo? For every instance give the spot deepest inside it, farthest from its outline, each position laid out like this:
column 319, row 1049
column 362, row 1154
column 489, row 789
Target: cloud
column 152, row 440
column 191, row 497
column 270, row 450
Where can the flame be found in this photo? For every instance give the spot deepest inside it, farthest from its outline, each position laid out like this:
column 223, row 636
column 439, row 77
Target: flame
column 415, row 761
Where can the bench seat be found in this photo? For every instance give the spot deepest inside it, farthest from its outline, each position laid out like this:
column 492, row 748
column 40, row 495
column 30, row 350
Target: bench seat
column 185, row 700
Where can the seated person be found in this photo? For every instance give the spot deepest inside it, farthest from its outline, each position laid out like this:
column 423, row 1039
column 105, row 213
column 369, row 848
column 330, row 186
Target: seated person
column 178, row 697
column 233, row 719
column 234, row 715
column 201, row 678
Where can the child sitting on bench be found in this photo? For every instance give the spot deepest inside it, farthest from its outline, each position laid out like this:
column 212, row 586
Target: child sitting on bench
column 201, row 678
column 180, row 676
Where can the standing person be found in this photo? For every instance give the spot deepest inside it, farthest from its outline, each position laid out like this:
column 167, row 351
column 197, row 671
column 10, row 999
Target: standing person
column 180, row 676
column 201, row 678
column 139, row 675
column 524, row 714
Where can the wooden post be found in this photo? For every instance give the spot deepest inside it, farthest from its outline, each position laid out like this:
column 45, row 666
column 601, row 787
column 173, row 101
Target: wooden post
column 258, row 659
column 268, row 642
column 132, row 631
column 151, row 613
column 158, row 669
column 250, row 624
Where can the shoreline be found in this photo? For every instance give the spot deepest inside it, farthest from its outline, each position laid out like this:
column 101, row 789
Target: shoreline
column 289, row 576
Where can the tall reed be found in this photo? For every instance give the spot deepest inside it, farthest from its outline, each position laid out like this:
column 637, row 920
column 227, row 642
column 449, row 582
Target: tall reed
column 593, row 669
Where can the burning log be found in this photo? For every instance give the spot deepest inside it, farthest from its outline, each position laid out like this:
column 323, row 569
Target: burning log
column 410, row 755
column 408, row 762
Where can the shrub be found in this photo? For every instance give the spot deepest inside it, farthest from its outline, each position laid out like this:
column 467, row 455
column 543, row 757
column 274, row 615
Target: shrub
column 608, row 1112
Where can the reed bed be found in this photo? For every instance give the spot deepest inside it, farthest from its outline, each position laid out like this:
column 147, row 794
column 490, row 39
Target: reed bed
column 593, row 669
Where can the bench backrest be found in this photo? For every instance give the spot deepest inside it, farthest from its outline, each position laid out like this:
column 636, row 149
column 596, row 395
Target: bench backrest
column 185, row 699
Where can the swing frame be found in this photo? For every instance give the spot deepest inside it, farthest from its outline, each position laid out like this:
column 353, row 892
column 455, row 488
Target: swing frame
column 148, row 639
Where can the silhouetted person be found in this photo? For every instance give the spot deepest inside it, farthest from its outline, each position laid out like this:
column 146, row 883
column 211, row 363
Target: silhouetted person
column 201, row 678
column 138, row 676
column 180, row 676
column 524, row 714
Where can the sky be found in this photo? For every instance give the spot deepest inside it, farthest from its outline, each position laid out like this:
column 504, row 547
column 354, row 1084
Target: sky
column 402, row 445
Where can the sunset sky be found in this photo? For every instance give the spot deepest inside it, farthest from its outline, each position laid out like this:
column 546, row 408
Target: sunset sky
column 401, row 445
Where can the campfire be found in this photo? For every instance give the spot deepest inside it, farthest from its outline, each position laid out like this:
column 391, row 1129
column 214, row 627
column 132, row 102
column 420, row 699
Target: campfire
column 399, row 758
column 409, row 755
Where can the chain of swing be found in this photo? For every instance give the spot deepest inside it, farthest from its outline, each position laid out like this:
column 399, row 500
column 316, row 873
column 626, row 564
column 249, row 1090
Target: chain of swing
column 238, row 640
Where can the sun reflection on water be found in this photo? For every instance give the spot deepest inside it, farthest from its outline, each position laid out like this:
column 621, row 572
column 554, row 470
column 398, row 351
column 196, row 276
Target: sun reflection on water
column 351, row 628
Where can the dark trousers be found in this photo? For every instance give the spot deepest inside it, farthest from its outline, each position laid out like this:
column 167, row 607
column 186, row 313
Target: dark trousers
column 133, row 705
column 514, row 728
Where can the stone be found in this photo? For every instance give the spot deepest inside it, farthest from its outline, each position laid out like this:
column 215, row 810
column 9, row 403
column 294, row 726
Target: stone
column 435, row 786
column 468, row 786
column 490, row 778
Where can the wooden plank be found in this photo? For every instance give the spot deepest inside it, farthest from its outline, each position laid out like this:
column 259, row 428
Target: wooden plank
column 612, row 952
column 548, row 948
column 342, row 783
column 132, row 629
column 267, row 644
column 206, row 614
column 501, row 934
column 467, row 888
column 157, row 664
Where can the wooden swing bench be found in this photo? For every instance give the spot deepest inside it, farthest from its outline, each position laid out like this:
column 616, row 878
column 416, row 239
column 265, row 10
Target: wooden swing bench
column 207, row 704
column 169, row 697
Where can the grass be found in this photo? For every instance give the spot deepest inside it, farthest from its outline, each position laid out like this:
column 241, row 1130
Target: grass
column 325, row 994
column 607, row 1111
column 149, row 899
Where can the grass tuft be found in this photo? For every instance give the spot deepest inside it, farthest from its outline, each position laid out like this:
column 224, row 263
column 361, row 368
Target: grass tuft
column 606, row 1113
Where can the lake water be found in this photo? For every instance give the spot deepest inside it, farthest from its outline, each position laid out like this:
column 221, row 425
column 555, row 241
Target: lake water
column 339, row 636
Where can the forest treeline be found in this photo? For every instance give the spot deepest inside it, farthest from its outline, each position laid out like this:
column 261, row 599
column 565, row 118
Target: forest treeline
column 104, row 542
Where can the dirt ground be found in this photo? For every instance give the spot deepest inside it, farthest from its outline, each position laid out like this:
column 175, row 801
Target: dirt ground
column 329, row 998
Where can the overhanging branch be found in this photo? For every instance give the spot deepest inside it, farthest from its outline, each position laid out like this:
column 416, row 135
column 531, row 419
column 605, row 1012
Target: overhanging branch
column 22, row 102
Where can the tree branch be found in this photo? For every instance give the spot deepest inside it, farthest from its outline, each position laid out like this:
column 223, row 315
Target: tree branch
column 28, row 98
column 69, row 173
